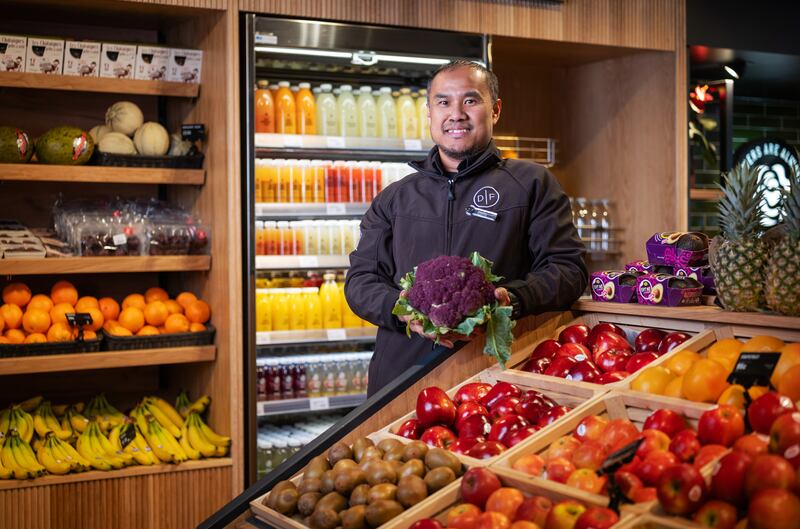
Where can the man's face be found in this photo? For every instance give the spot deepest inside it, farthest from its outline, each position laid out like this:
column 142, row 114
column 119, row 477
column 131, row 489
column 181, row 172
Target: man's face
column 461, row 112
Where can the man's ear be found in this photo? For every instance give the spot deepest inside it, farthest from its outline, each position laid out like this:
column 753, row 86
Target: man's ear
column 496, row 111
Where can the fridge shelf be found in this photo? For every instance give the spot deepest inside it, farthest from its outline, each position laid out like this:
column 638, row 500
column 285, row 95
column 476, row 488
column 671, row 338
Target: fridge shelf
column 539, row 150
column 301, row 262
column 357, row 334
column 285, row 210
column 277, row 407
column 332, row 147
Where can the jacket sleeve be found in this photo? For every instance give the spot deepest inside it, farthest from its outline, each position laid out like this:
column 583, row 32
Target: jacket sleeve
column 558, row 273
column 369, row 287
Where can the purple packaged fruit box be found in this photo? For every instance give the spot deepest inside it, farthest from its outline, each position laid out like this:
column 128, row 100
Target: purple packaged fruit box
column 678, row 249
column 668, row 290
column 614, row 285
column 703, row 274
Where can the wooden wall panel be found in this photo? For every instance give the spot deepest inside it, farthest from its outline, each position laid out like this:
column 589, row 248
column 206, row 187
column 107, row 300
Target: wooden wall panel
column 25, row 509
column 178, row 502
column 647, row 24
column 196, row 4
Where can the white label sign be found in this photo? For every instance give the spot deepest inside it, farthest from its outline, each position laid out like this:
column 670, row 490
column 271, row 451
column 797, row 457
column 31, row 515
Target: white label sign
column 292, row 140
column 319, row 403
column 337, row 334
column 335, row 209
column 412, row 145
column 335, row 142
column 120, row 239
column 308, row 261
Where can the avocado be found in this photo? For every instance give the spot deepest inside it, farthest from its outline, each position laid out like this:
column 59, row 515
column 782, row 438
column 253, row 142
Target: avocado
column 15, row 145
column 64, row 146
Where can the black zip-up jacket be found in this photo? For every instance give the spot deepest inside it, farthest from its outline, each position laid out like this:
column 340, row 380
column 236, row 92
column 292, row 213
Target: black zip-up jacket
column 532, row 242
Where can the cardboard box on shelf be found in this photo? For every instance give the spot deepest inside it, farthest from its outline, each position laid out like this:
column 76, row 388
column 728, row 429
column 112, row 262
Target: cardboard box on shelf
column 152, row 63
column 44, row 56
column 117, row 60
column 82, row 58
column 12, row 53
column 185, row 66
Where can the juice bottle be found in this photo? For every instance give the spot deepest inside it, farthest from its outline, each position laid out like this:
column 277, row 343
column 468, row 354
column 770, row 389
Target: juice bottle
column 307, row 182
column 328, row 378
column 299, row 379
column 341, row 375
column 349, row 318
column 273, row 380
column 280, row 309
column 313, row 308
column 261, row 381
column 261, row 242
column 265, row 108
column 295, row 181
column 297, row 313
column 337, row 237
column 263, row 312
column 346, row 112
column 386, row 114
column 422, row 115
column 287, row 385
column 271, row 238
column 331, row 302
column 273, row 91
column 327, row 122
column 297, row 245
column 367, row 113
column 313, row 377
column 357, row 182
column 285, row 110
column 407, row 127
column 259, row 183
column 306, row 110
column 318, row 172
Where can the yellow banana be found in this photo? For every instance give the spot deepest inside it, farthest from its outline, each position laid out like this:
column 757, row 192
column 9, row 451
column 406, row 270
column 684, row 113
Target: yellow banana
column 37, row 442
column 112, row 415
column 5, row 416
column 191, row 452
column 53, row 464
column 167, row 409
column 24, row 455
column 141, row 444
column 160, row 449
column 19, row 423
column 7, row 456
column 66, row 427
column 112, row 451
column 182, row 404
column 141, row 420
column 86, row 450
column 101, row 445
column 31, row 404
column 59, row 409
column 179, row 456
column 162, row 419
column 76, row 420
column 45, row 421
column 79, row 462
column 5, row 473
column 113, row 437
column 40, row 425
column 213, row 437
column 200, row 405
column 140, row 455
column 197, row 440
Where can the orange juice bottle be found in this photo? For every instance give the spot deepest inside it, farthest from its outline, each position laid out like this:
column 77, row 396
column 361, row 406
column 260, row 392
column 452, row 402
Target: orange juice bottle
column 297, row 309
column 318, row 179
column 306, row 110
column 263, row 310
column 298, row 243
column 269, row 180
column 261, row 240
column 349, row 318
column 285, row 110
column 331, row 302
column 271, row 238
column 313, row 308
column 265, row 108
column 281, row 181
column 261, row 170
column 279, row 305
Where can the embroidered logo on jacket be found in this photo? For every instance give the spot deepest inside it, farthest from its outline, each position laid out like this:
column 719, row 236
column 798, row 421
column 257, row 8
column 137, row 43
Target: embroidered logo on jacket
column 486, row 197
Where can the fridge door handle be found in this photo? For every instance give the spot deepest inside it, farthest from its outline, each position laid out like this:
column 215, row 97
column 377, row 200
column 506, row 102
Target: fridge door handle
column 364, row 58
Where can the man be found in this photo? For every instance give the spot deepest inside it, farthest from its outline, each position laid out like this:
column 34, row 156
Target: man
column 463, row 197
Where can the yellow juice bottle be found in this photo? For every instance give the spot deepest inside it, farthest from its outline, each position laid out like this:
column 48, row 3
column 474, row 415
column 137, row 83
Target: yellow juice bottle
column 279, row 303
column 306, row 110
column 349, row 318
column 367, row 113
column 263, row 310
column 386, row 114
column 265, row 108
column 330, row 299
column 406, row 116
column 327, row 118
column 261, row 176
column 297, row 309
column 313, row 308
column 285, row 110
column 347, row 112
column 422, row 115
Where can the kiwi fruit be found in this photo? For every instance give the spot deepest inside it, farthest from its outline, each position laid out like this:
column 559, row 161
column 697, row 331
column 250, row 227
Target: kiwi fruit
column 360, row 495
column 333, row 500
column 439, row 478
column 326, row 482
column 381, row 511
column 317, row 467
column 308, row 502
column 395, row 453
column 309, row 485
column 384, row 491
column 346, row 480
column 412, row 489
column 439, row 457
column 380, row 472
column 387, row 445
column 345, row 463
column 413, row 467
column 338, row 452
column 272, row 499
column 355, row 517
column 359, row 446
column 324, row 519
column 396, row 466
column 371, row 452
column 286, row 501
column 297, row 517
column 415, row 450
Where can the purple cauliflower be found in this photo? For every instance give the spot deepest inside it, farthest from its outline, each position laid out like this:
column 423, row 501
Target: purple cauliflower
column 448, row 289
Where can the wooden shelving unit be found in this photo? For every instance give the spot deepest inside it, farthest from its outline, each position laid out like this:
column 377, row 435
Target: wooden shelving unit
column 105, row 265
column 106, row 175
column 106, row 360
column 705, row 194
column 97, row 84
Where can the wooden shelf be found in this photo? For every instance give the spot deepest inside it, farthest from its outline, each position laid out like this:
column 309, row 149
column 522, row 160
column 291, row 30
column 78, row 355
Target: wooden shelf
column 705, row 194
column 34, row 172
column 93, row 475
column 105, row 265
column 97, row 84
column 106, row 360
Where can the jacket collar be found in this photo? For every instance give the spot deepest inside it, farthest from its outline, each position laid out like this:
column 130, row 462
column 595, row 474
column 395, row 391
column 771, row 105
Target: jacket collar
column 432, row 165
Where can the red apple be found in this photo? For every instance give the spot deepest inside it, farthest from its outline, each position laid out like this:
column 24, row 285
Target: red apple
column 546, row 349
column 531, row 464
column 722, row 425
column 583, row 371
column 564, row 515
column 532, row 405
column 639, row 360
column 654, row 440
column 471, row 392
column 493, row 520
column 559, row 469
column 671, row 341
column 668, row 421
column 486, row 450
column 619, row 433
column 612, row 360
column 427, row 523
column 505, row 426
column 590, row 454
column 770, row 472
column 475, row 426
column 560, row 366
column 766, row 408
column 457, row 515
column 785, row 437
column 596, row 518
column 707, row 454
column 627, row 482
column 438, row 436
column 644, row 494
column 574, row 334
column 752, row 443
column 681, row 489
column 503, row 407
column 716, row 514
column 603, row 327
column 537, row 365
column 586, row 480
column 466, row 409
column 468, row 520
column 609, row 340
column 685, row 445
column 574, row 350
column 773, row 509
column 534, row 509
column 498, row 392
column 477, row 484
column 610, row 378
column 464, row 444
column 651, row 467
column 728, row 477
column 590, row 428
column 552, row 415
column 564, row 447
column 435, row 407
column 520, row 435
column 648, row 340
column 411, row 429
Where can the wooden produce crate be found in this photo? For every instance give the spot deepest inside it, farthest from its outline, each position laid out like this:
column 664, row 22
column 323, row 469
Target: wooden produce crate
column 612, row 405
column 562, row 391
column 632, row 326
column 650, row 521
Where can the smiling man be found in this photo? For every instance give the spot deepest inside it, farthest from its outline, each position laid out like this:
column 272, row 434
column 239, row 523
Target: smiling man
column 463, row 197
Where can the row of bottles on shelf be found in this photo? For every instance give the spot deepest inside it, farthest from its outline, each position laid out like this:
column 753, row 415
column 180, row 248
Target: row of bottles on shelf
column 305, row 308
column 307, row 237
column 312, row 376
column 318, row 181
column 275, row 444
column 593, row 222
column 383, row 113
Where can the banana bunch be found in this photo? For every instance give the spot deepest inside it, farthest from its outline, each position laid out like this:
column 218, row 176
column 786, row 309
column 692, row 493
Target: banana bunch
column 44, row 421
column 59, row 457
column 106, row 415
column 185, row 406
column 98, row 450
column 17, row 419
column 136, row 445
column 17, row 457
column 203, row 439
column 165, row 446
column 31, row 404
column 74, row 420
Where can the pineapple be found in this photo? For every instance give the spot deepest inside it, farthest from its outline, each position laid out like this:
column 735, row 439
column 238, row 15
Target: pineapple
column 739, row 255
column 782, row 284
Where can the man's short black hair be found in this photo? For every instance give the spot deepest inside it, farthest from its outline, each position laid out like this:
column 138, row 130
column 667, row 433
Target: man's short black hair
column 491, row 79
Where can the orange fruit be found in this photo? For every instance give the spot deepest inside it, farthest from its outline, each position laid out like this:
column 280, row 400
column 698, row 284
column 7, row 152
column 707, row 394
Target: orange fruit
column 757, row 391
column 681, row 362
column 119, row 330
column 789, row 383
column 763, row 344
column 2, row 324
column 40, row 302
column 156, row 313
column 109, row 307
column 147, row 330
column 674, row 388
column 505, row 500
column 176, row 323
column 132, row 318
column 12, row 315
column 58, row 314
column 198, row 311
column 197, row 327
column 704, row 381
column 173, row 306
column 155, row 294
column 726, row 352
column 134, row 300
column 87, row 334
column 733, row 396
column 64, row 292
column 59, row 332
column 162, row 330
column 15, row 336
column 108, row 324
column 36, row 337
column 790, row 356
column 97, row 319
column 653, row 380
column 36, row 321
column 4, row 340
column 85, row 303
column 184, row 298
column 17, row 294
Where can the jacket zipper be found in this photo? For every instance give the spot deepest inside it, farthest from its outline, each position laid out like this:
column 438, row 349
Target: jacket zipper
column 451, row 196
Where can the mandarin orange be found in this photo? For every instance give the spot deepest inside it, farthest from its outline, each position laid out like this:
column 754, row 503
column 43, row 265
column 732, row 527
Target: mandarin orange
column 17, row 294
column 64, row 292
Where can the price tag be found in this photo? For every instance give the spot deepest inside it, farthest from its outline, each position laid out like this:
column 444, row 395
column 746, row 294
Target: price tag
column 308, row 261
column 263, row 338
column 335, row 142
column 120, row 239
column 754, row 369
column 335, row 209
column 292, row 140
column 319, row 403
column 126, row 436
column 337, row 334
column 412, row 145
column 266, row 38
column 620, row 457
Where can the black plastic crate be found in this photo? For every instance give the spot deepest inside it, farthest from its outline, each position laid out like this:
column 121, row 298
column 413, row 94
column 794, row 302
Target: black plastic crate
column 184, row 339
column 20, row 350
column 194, row 161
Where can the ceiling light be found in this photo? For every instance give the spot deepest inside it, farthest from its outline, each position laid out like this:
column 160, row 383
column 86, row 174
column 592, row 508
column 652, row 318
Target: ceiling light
column 731, row 72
